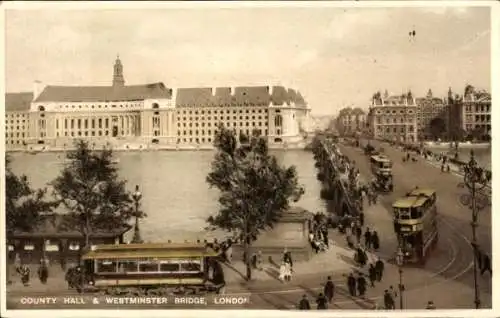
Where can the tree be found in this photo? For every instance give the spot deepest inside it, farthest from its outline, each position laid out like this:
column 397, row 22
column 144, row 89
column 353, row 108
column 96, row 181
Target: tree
column 24, row 205
column 437, row 127
column 90, row 189
column 254, row 189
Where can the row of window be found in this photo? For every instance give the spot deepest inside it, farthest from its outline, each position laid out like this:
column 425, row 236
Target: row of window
column 395, row 120
column 395, row 129
column 95, row 106
column 387, row 111
column 222, row 112
column 478, row 109
column 209, row 132
column 18, row 135
column 18, row 128
column 148, row 266
column 215, row 118
column 241, row 124
column 17, row 121
column 14, row 115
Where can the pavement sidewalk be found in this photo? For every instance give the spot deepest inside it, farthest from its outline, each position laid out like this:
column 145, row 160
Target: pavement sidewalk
column 336, row 261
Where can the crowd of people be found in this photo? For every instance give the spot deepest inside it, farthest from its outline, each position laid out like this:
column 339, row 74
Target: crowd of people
column 24, row 270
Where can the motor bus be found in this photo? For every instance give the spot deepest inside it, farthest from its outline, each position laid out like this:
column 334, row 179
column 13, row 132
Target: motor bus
column 151, row 269
column 415, row 224
column 381, row 164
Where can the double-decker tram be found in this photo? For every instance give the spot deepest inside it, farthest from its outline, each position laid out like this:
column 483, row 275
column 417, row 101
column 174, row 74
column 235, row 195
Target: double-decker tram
column 381, row 164
column 415, row 224
column 151, row 269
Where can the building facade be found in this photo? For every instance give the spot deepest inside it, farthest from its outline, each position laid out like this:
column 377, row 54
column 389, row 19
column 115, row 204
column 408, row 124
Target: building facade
column 469, row 115
column 432, row 116
column 476, row 110
column 393, row 118
column 150, row 114
column 351, row 121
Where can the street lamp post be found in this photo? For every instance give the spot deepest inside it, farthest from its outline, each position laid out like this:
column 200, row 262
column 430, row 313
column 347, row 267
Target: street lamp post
column 475, row 181
column 399, row 262
column 137, row 196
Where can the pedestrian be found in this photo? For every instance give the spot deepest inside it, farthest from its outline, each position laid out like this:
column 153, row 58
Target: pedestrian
column 394, row 294
column 321, row 302
column 288, row 272
column 329, row 289
column 358, row 256
column 282, row 274
column 388, row 301
column 358, row 233
column 325, row 238
column 287, row 257
column 361, row 285
column 253, row 260
column 350, row 241
column 351, row 285
column 430, row 305
column 375, row 241
column 368, row 238
column 304, row 303
column 372, row 274
column 486, row 264
column 43, row 272
column 259, row 260
column 361, row 218
column 379, row 266
column 229, row 251
column 25, row 275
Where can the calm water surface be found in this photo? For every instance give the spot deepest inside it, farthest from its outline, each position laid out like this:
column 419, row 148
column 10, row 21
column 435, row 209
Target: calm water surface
column 176, row 196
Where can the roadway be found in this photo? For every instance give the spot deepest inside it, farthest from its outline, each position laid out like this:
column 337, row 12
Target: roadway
column 454, row 222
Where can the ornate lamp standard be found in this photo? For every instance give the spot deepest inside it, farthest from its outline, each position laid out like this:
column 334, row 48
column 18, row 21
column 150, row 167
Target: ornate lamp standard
column 399, row 262
column 137, row 196
column 475, row 180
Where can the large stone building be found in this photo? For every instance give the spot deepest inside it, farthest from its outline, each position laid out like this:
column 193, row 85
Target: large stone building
column 393, row 118
column 470, row 114
column 150, row 114
column 351, row 121
column 432, row 116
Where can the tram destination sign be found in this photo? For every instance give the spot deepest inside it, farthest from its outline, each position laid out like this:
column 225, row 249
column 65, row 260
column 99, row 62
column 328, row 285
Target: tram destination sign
column 112, row 302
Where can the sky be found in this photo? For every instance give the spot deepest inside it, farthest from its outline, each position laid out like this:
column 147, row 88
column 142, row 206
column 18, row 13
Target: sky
column 335, row 57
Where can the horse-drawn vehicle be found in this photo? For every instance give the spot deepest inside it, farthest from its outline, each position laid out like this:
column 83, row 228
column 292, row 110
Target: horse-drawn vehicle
column 149, row 269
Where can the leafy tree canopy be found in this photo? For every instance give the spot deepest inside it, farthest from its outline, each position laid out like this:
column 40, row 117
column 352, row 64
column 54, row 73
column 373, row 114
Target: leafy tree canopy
column 91, row 191
column 437, row 127
column 255, row 189
column 24, row 205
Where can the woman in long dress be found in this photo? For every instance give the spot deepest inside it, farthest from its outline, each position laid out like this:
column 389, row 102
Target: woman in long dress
column 282, row 272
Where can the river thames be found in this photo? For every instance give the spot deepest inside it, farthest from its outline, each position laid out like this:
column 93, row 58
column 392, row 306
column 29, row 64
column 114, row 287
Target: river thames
column 176, row 196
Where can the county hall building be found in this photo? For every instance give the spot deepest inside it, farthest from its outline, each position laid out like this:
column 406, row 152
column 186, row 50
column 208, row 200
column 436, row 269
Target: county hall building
column 150, row 115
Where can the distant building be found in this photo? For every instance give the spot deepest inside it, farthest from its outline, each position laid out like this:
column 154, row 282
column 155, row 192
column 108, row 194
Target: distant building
column 393, row 118
column 470, row 114
column 350, row 121
column 432, row 116
column 476, row 112
column 17, row 119
column 146, row 114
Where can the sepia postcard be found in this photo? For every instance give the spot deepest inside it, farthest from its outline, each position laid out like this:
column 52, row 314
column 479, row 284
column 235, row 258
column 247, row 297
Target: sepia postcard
column 251, row 158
